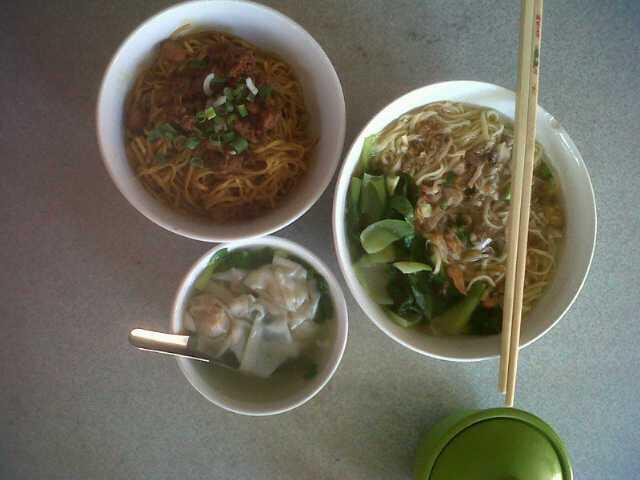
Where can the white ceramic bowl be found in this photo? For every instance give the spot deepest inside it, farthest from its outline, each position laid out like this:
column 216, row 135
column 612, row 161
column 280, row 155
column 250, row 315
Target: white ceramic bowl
column 269, row 30
column 580, row 233
column 241, row 394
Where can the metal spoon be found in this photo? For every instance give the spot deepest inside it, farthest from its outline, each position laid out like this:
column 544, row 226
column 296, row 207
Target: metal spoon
column 179, row 345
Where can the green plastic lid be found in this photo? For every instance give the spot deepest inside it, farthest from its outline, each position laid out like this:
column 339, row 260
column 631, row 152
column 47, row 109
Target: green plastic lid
column 498, row 444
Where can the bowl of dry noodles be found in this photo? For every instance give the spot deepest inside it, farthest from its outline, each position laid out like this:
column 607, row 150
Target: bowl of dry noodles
column 420, row 215
column 221, row 120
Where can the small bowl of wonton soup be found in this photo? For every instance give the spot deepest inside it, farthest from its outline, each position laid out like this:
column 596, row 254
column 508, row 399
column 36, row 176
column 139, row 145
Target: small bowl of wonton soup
column 272, row 308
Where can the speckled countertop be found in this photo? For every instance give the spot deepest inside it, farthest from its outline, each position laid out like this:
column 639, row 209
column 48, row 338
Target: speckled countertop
column 79, row 266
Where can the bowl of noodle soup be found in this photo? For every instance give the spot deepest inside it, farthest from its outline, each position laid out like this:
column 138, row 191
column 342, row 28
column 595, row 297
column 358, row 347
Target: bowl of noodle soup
column 419, row 218
column 221, row 120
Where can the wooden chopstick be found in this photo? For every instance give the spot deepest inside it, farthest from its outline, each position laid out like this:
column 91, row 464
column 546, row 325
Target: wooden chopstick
column 525, row 57
column 534, row 88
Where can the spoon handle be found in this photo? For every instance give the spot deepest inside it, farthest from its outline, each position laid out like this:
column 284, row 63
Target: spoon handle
column 168, row 343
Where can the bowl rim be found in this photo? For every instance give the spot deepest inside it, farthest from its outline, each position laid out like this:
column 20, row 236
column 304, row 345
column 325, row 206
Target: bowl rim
column 341, row 248
column 160, row 219
column 341, row 318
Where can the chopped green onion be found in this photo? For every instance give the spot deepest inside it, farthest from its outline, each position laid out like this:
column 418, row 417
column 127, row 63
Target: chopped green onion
column 251, row 97
column 219, row 80
column 242, row 110
column 220, row 121
column 507, row 197
column 229, row 137
column 164, row 130
column 239, row 91
column 264, row 91
column 192, row 143
column 197, row 162
column 227, row 92
column 232, row 119
column 201, row 116
column 229, row 107
column 210, row 113
column 240, row 144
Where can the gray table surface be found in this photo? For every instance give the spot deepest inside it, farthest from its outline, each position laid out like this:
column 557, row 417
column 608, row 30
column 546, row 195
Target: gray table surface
column 79, row 267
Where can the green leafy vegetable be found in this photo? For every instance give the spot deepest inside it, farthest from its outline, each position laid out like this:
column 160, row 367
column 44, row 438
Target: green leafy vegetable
column 368, row 152
column 407, row 320
column 392, row 184
column 386, row 255
column 325, row 306
column 214, row 262
column 196, row 162
column 422, row 293
column 246, row 259
column 403, row 206
column 380, row 234
column 353, row 215
column 456, row 319
column 374, row 279
column 486, row 321
column 412, row 267
column 373, row 199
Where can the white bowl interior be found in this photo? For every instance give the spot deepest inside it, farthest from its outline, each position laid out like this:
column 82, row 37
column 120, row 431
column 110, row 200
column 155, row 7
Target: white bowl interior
column 580, row 230
column 270, row 31
column 243, row 394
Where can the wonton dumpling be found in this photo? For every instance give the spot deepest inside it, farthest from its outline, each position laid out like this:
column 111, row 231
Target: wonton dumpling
column 283, row 283
column 209, row 315
column 307, row 310
column 246, row 307
column 233, row 277
column 269, row 345
column 220, row 291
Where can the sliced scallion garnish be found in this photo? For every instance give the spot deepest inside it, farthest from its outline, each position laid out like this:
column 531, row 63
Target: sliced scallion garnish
column 192, row 143
column 242, row 110
column 240, row 144
column 210, row 113
column 229, row 137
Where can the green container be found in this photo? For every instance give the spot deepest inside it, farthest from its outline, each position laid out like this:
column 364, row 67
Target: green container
column 496, row 444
